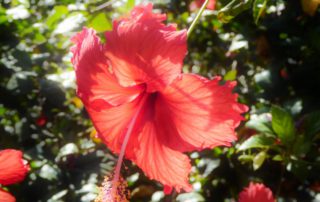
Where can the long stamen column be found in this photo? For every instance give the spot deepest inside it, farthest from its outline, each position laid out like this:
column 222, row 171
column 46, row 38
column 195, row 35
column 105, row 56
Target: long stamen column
column 114, row 187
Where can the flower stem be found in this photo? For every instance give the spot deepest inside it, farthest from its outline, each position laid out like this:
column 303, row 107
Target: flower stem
column 125, row 143
column 196, row 19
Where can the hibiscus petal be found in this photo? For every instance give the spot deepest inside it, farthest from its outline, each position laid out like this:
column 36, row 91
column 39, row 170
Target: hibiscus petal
column 199, row 113
column 141, row 49
column 256, row 192
column 6, row 196
column 160, row 162
column 147, row 146
column 111, row 123
column 96, row 84
column 12, row 167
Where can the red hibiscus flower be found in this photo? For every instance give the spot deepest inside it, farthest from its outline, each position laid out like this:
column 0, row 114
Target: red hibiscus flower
column 198, row 3
column 133, row 86
column 12, row 170
column 256, row 192
column 6, row 196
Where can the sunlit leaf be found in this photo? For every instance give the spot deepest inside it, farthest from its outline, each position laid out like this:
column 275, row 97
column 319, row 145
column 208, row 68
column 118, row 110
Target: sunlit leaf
column 259, row 159
column 277, row 157
column 72, row 22
column 66, row 150
column 18, row 13
column 230, row 75
column 57, row 197
column 58, row 13
column 130, row 4
column 2, row 110
column 48, row 172
column 190, row 197
column 39, row 39
column 245, row 158
column 234, row 8
column 157, row 196
column 283, row 125
column 260, row 123
column 100, row 22
column 256, row 141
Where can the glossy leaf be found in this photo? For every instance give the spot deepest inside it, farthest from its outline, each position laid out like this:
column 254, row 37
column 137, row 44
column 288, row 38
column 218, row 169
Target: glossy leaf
column 256, row 141
column 261, row 123
column 312, row 124
column 259, row 159
column 277, row 157
column 230, row 75
column 191, row 197
column 234, row 8
column 301, row 145
column 283, row 125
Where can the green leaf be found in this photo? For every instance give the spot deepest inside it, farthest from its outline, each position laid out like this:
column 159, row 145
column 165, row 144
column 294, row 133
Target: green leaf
column 301, row 146
column 100, row 22
column 2, row 110
column 58, row 13
column 36, row 164
column 127, row 7
column 263, row 78
column 68, row 149
column 230, row 75
column 277, row 157
column 157, row 196
column 312, row 125
column 294, row 106
column 259, row 159
column 245, row 158
column 58, row 196
column 130, row 4
column 39, row 38
column 49, row 172
column 299, row 168
column 283, row 125
column 3, row 16
column 192, row 197
column 256, row 141
column 261, row 123
column 234, row 8
column 259, row 7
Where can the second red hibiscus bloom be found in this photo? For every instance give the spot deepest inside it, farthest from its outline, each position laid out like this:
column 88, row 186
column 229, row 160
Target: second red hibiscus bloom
column 12, row 170
column 256, row 192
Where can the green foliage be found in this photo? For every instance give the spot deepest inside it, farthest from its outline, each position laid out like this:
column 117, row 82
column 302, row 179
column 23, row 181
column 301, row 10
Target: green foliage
column 283, row 125
column 257, row 141
column 259, row 159
column 230, row 75
column 234, row 8
column 312, row 125
column 100, row 22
